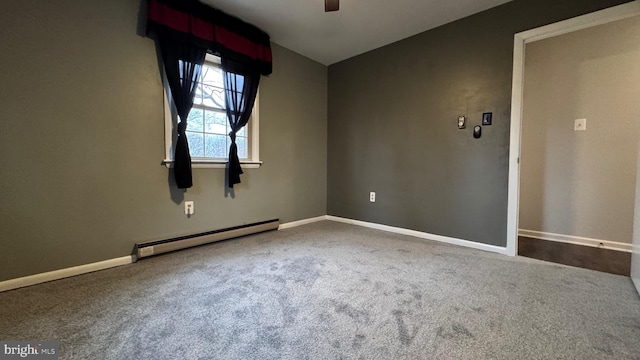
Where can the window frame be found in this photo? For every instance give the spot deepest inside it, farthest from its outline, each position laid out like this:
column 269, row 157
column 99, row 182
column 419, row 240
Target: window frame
column 171, row 123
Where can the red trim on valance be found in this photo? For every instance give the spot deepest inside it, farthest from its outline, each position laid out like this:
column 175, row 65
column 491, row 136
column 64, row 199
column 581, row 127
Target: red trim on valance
column 208, row 31
column 240, row 44
column 168, row 16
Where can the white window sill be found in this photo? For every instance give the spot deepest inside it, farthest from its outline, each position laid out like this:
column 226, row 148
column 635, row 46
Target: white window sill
column 215, row 164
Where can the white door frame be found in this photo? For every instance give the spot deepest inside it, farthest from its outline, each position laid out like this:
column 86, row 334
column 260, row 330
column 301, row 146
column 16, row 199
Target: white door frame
column 520, row 40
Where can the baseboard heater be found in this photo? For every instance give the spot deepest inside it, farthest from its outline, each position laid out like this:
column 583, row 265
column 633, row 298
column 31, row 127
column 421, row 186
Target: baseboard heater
column 162, row 246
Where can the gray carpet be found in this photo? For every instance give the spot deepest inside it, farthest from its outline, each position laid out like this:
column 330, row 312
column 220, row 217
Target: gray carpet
column 331, row 291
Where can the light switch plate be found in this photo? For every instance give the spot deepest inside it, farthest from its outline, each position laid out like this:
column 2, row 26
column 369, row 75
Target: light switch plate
column 580, row 125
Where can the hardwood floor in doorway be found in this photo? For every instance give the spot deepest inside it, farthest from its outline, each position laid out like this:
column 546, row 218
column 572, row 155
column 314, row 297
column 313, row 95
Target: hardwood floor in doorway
column 610, row 261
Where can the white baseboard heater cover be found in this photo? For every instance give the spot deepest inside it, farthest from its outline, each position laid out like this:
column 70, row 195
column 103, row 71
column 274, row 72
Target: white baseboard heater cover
column 162, row 246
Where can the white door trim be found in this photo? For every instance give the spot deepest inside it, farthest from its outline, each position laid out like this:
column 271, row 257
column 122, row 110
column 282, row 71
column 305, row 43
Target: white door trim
column 520, row 40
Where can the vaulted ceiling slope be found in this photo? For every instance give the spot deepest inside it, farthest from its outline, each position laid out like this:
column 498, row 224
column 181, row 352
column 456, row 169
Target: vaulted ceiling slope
column 360, row 26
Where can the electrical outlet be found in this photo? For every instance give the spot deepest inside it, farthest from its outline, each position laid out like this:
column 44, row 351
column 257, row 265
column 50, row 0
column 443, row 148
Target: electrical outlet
column 580, row 125
column 372, row 196
column 188, row 208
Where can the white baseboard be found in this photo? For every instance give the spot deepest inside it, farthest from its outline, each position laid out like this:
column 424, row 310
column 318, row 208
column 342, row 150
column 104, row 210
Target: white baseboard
column 302, row 222
column 576, row 240
column 63, row 273
column 422, row 235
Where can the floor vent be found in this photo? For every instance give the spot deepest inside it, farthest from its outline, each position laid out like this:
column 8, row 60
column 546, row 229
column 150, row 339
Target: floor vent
column 162, row 246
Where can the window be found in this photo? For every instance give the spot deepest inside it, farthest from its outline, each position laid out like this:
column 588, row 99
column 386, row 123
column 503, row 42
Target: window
column 207, row 125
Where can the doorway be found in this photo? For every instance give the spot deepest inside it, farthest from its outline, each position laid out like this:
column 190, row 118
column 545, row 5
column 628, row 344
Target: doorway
column 521, row 40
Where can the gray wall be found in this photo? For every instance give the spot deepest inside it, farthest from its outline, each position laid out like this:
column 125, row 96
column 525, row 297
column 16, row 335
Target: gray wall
column 392, row 124
column 82, row 141
column 581, row 183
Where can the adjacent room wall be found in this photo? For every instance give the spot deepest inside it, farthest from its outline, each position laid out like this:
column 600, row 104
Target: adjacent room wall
column 581, row 183
column 392, row 124
column 82, row 141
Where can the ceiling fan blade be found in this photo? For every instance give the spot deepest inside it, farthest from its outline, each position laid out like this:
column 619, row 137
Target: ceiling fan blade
column 331, row 5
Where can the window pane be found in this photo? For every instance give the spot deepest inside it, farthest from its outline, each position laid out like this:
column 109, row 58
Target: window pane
column 195, row 120
column 216, row 146
column 243, row 131
column 215, row 122
column 242, row 147
column 197, row 99
column 213, row 96
column 212, row 76
column 196, row 144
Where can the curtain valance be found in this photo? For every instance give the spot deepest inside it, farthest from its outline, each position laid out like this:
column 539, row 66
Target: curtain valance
column 196, row 24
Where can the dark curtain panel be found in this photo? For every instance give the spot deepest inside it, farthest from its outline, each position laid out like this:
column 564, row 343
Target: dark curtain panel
column 183, row 66
column 240, row 87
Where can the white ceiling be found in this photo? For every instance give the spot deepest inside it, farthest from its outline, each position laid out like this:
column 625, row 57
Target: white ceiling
column 359, row 26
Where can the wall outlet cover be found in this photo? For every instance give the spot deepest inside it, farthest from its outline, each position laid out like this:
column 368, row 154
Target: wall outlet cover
column 189, row 208
column 580, row 125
